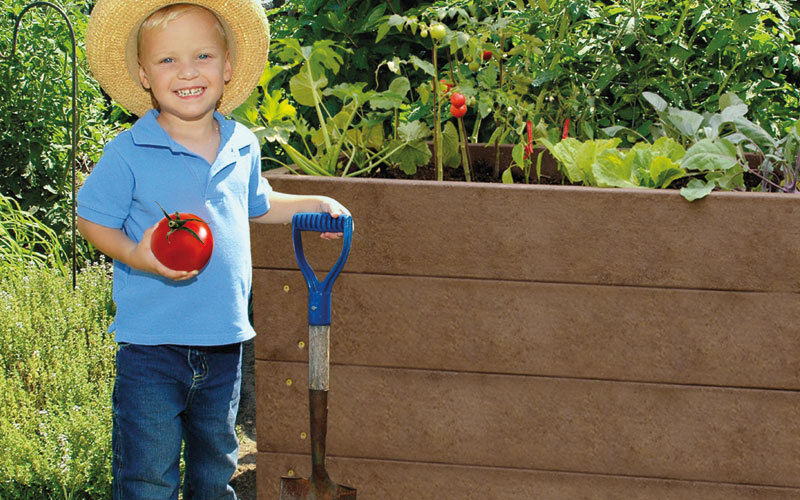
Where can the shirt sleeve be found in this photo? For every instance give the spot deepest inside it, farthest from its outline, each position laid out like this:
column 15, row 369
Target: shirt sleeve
column 106, row 196
column 259, row 189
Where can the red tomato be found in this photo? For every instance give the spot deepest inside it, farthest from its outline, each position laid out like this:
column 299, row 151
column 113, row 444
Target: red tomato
column 458, row 111
column 445, row 86
column 458, row 99
column 487, row 54
column 182, row 242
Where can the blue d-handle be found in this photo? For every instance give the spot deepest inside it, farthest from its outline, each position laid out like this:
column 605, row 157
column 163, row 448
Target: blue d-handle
column 319, row 292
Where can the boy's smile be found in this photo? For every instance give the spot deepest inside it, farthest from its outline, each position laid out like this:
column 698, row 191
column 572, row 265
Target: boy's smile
column 185, row 65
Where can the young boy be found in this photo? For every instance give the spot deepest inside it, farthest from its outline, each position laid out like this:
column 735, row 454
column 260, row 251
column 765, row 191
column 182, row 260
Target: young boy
column 179, row 67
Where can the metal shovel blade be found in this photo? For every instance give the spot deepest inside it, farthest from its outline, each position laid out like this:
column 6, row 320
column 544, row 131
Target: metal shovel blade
column 319, row 486
column 295, row 488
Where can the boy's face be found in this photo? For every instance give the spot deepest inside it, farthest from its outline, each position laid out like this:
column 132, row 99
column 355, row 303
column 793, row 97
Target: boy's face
column 185, row 65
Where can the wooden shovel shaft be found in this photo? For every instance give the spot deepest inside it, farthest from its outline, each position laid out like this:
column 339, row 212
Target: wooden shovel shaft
column 319, row 357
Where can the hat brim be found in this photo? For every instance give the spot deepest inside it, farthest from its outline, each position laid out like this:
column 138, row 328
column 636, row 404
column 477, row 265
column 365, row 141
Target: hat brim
column 111, row 36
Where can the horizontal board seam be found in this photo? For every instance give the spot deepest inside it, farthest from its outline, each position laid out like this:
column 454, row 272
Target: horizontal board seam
column 547, row 377
column 322, row 271
column 306, row 456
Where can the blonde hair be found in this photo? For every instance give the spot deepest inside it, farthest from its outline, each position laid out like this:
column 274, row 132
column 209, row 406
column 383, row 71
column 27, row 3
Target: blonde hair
column 159, row 20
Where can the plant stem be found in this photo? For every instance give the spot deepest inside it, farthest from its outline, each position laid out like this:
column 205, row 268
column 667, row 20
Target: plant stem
column 462, row 136
column 437, row 138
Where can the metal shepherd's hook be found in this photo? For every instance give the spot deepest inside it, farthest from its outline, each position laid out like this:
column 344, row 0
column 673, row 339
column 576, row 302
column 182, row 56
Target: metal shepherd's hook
column 74, row 134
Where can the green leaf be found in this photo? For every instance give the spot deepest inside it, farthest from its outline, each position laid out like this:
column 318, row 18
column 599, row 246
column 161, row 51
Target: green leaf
column 305, row 89
column 707, row 155
column 664, row 172
column 400, row 85
column 734, row 112
column 697, row 189
column 687, row 122
column 655, row 100
column 413, row 131
column 578, row 157
column 729, row 99
column 745, row 21
column 451, row 156
column 518, row 155
column 613, row 130
column 488, row 77
column 410, row 155
column 269, row 73
column 423, row 65
column 761, row 137
column 383, row 30
column 613, row 169
column 720, row 40
column 507, row 178
column 351, row 92
column 665, row 146
column 274, row 108
column 396, row 21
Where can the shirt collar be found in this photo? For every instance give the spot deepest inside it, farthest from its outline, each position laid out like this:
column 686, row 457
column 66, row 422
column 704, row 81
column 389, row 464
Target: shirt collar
column 148, row 132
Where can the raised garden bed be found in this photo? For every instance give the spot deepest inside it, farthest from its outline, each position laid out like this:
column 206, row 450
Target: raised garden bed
column 525, row 341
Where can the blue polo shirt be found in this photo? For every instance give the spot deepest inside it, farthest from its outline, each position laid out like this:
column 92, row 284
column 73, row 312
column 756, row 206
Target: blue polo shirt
column 142, row 167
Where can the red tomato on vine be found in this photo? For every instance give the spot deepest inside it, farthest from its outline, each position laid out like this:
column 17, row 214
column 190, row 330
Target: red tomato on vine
column 182, row 241
column 458, row 111
column 458, row 99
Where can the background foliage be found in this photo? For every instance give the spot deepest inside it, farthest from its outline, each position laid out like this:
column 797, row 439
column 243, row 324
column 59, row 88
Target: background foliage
column 35, row 111
column 587, row 61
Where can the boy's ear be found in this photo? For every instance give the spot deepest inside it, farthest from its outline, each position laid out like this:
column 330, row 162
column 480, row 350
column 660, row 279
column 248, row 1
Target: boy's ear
column 228, row 68
column 143, row 78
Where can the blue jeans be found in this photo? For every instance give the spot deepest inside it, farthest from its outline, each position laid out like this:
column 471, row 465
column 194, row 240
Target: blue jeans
column 167, row 394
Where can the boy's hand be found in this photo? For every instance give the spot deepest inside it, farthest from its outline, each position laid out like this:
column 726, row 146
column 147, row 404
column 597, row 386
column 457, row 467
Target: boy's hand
column 333, row 207
column 142, row 258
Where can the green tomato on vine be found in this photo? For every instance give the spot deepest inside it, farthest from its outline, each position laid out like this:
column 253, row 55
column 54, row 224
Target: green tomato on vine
column 438, row 31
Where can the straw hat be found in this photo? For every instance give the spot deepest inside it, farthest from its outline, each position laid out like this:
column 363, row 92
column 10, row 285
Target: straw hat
column 111, row 47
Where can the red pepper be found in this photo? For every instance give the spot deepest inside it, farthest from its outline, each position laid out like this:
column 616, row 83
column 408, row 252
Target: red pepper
column 565, row 132
column 529, row 146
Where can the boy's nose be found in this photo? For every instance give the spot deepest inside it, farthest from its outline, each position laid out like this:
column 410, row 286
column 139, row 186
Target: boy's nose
column 187, row 71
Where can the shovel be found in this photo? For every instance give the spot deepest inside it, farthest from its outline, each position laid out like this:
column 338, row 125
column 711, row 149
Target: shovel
column 319, row 486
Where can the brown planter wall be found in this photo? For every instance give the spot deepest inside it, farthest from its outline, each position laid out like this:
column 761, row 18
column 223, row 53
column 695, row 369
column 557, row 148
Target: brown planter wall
column 520, row 342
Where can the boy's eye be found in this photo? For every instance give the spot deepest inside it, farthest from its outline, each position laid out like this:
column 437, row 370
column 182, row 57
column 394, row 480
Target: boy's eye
column 167, row 60
column 204, row 56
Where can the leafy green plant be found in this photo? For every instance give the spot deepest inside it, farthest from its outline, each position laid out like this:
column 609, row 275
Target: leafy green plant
column 348, row 142
column 718, row 145
column 600, row 162
column 56, row 377
column 36, row 110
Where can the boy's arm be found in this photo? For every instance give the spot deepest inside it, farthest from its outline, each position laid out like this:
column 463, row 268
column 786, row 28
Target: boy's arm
column 283, row 206
column 118, row 246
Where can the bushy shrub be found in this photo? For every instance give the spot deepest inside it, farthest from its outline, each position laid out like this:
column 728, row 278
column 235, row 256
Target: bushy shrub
column 35, row 110
column 56, row 377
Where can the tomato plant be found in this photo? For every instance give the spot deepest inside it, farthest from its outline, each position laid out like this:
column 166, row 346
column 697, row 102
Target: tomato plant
column 182, row 242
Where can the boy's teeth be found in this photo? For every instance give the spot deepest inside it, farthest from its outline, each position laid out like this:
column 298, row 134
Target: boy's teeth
column 188, row 92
